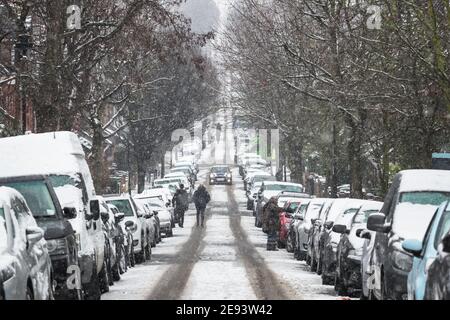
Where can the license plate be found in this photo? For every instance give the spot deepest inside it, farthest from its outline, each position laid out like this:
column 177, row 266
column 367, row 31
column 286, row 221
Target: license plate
column 220, row 179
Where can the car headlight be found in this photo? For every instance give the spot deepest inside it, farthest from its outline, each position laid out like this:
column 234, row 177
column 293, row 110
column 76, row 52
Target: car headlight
column 212, row 175
column 57, row 246
column 401, row 260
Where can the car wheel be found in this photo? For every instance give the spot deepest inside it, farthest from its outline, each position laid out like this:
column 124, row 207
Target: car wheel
column 319, row 265
column 289, row 245
column 123, row 263
column 339, row 286
column 109, row 268
column 132, row 256
column 308, row 259
column 384, row 294
column 29, row 293
column 313, row 264
column 170, row 233
column 104, row 278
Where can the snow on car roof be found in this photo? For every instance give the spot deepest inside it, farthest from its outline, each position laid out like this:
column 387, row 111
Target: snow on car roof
column 281, row 183
column 45, row 153
column 175, row 175
column 425, row 180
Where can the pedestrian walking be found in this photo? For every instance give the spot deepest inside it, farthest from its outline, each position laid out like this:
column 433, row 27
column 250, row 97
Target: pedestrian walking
column 181, row 203
column 201, row 198
column 271, row 223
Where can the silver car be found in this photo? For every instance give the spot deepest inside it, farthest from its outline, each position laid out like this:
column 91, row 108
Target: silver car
column 25, row 265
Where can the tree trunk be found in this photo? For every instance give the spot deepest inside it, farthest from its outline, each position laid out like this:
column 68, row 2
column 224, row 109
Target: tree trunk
column 141, row 170
column 97, row 163
column 333, row 181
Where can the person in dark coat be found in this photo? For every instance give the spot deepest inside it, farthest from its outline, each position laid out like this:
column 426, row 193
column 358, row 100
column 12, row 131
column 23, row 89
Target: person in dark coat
column 201, row 198
column 271, row 223
column 181, row 202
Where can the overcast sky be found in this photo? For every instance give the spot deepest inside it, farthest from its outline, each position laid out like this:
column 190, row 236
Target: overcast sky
column 206, row 15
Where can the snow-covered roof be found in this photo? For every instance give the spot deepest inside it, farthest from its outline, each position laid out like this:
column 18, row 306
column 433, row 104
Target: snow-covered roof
column 425, row 180
column 45, row 153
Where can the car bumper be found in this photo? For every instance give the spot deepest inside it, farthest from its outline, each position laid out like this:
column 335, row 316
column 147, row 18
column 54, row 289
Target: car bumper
column 220, row 180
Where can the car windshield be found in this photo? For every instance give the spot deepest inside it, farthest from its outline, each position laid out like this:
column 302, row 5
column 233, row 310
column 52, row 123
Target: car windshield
column 313, row 211
column 434, row 198
column 263, row 178
column 37, row 196
column 363, row 215
column 156, row 205
column 166, row 181
column 3, row 234
column 444, row 227
column 220, row 170
column 282, row 187
column 123, row 205
column 184, row 170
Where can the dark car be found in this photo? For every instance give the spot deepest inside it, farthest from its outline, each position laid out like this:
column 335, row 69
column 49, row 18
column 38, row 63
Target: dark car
column 408, row 209
column 438, row 281
column 58, row 232
column 220, row 174
column 350, row 250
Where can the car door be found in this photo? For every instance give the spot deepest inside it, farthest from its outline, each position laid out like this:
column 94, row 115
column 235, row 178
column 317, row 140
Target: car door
column 37, row 254
column 16, row 285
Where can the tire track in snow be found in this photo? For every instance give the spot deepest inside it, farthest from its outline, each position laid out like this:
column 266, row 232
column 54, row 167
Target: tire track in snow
column 264, row 282
column 174, row 280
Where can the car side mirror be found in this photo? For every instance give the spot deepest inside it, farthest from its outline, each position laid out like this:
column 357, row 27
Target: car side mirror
column 328, row 225
column 363, row 233
column 377, row 222
column 339, row 228
column 413, row 246
column 34, row 235
column 139, row 214
column 131, row 226
column 168, row 204
column 69, row 213
column 119, row 216
column 155, row 213
column 446, row 243
column 94, row 206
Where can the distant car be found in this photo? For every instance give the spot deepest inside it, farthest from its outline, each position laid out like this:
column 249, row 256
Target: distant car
column 409, row 207
column 438, row 282
column 350, row 250
column 220, row 174
column 425, row 251
column 165, row 218
column 25, row 265
column 153, row 223
column 160, row 195
column 297, row 218
column 187, row 170
column 141, row 235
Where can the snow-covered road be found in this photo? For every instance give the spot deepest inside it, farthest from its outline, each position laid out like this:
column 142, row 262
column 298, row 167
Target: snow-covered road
column 226, row 260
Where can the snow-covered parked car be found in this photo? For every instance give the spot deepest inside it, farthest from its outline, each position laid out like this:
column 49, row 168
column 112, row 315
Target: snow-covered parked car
column 25, row 265
column 302, row 228
column 58, row 232
column 134, row 218
column 164, row 216
column 350, row 249
column 160, row 195
column 60, row 156
column 408, row 208
column 150, row 220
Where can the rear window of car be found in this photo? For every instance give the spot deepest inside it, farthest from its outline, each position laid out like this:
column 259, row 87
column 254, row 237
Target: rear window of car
column 124, row 206
column 443, row 228
column 280, row 187
column 37, row 196
column 426, row 197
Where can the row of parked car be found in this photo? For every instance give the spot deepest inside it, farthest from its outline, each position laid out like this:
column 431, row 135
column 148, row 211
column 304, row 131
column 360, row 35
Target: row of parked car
column 58, row 239
column 396, row 249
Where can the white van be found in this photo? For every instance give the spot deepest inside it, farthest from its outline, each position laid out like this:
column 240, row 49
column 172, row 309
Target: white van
column 60, row 157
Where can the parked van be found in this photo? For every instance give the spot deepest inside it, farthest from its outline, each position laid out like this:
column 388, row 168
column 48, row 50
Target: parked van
column 60, row 156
